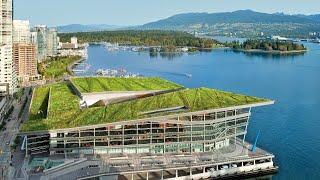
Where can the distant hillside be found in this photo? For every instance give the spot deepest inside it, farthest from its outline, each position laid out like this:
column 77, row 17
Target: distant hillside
column 86, row 28
column 241, row 23
column 315, row 17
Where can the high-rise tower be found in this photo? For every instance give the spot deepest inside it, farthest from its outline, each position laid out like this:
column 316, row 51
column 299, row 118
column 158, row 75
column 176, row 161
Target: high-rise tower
column 7, row 73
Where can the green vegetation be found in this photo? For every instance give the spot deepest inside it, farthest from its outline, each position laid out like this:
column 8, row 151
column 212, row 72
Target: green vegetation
column 2, row 125
column 101, row 84
column 39, row 104
column 266, row 45
column 57, row 67
column 23, row 107
column 63, row 104
column 167, row 39
column 64, row 110
column 60, row 102
column 8, row 114
column 19, row 93
column 16, row 142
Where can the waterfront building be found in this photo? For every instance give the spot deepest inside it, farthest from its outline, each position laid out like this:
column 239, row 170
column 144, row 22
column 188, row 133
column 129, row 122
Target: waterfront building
column 70, row 45
column 74, row 40
column 82, row 52
column 25, row 61
column 21, row 31
column 73, row 48
column 143, row 125
column 7, row 73
column 279, row 38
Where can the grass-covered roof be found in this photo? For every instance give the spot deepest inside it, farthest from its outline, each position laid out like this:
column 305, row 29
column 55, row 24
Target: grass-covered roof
column 102, row 84
column 64, row 112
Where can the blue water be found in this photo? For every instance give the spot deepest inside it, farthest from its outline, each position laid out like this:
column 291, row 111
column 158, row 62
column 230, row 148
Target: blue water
column 290, row 129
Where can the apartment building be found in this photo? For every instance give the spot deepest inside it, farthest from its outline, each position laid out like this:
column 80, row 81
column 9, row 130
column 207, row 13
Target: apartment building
column 7, row 73
column 25, row 61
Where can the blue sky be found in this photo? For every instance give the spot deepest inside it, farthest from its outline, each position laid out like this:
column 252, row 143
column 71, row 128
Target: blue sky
column 135, row 12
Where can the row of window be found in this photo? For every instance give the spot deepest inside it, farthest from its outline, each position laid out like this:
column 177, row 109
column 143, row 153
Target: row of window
column 152, row 128
column 157, row 149
column 120, row 142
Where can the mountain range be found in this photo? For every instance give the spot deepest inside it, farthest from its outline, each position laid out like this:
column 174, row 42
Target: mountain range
column 242, row 23
column 241, row 16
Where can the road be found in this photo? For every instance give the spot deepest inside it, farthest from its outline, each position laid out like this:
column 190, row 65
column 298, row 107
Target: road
column 7, row 137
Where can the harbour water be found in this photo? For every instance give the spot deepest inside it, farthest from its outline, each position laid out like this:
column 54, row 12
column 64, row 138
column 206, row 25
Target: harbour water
column 290, row 129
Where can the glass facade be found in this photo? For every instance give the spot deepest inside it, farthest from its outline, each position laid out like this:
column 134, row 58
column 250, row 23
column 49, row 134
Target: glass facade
column 181, row 134
column 46, row 40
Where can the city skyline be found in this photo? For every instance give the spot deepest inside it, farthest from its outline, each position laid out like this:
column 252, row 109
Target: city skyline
column 126, row 13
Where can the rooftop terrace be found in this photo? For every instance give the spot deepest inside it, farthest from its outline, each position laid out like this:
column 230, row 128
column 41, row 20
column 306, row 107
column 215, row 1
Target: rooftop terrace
column 57, row 106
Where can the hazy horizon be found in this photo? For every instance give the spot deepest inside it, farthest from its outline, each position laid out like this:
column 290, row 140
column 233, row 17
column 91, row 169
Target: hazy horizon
column 138, row 12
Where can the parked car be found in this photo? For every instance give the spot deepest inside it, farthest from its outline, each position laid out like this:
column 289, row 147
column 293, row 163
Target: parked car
column 224, row 167
column 212, row 169
column 234, row 165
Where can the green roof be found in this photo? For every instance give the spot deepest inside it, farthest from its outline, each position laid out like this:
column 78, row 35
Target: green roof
column 102, row 84
column 39, row 104
column 64, row 110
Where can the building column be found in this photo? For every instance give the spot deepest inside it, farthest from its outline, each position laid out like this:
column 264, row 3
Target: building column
column 190, row 149
column 137, row 138
column 79, row 143
column 147, row 178
column 177, row 174
column 94, row 140
column 26, row 146
column 204, row 132
column 108, row 129
column 190, row 172
column 123, row 135
column 79, row 139
column 204, row 169
column 178, row 133
column 164, row 138
column 150, row 133
column 244, row 136
column 64, row 146
column 161, row 174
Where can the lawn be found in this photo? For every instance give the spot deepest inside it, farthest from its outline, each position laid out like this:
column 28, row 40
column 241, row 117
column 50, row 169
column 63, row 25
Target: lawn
column 101, row 84
column 57, row 67
column 64, row 111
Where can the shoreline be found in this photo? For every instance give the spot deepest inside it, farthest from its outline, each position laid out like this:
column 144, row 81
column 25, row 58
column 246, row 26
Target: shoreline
column 270, row 52
column 71, row 66
column 177, row 49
